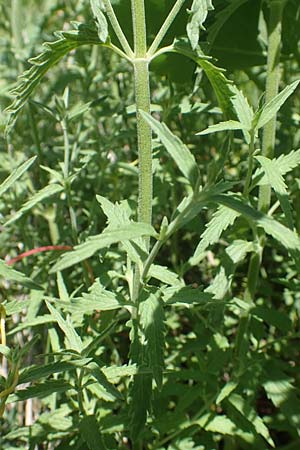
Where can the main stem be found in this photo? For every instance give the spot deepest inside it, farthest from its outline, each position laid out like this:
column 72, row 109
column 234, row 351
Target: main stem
column 144, row 134
column 142, row 99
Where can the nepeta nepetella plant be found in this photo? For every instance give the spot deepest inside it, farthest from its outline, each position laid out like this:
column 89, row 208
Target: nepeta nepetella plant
column 139, row 292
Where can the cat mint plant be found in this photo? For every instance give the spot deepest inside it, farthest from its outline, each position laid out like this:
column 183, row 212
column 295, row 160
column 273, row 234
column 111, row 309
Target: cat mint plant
column 143, row 290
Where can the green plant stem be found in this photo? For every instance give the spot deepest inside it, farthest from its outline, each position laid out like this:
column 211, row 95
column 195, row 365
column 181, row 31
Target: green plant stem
column 117, row 28
column 250, row 166
column 272, row 87
column 144, row 134
column 165, row 27
column 269, row 132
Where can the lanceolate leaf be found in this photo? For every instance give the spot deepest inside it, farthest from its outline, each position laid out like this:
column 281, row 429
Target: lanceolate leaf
column 54, row 51
column 103, row 240
column 251, row 416
column 268, row 111
column 220, row 84
column 15, row 175
column 177, row 150
column 97, row 8
column 199, row 12
column 152, row 322
column 39, row 196
column 10, row 274
column 289, row 239
column 89, row 430
column 74, row 340
column 222, row 126
column 283, row 164
column 243, row 111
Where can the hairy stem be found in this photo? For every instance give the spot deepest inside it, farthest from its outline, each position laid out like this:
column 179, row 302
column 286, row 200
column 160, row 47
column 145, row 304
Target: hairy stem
column 142, row 98
column 144, row 134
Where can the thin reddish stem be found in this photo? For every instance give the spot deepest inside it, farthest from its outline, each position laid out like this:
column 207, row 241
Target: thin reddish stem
column 33, row 251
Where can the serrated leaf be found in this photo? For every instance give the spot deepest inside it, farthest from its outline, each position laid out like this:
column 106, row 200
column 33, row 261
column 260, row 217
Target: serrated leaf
column 251, row 416
column 141, row 386
column 74, row 340
column 226, row 390
column 222, row 126
column 101, row 22
column 185, row 296
column 98, row 298
column 273, row 317
column 89, row 430
column 40, row 390
column 54, row 51
column 115, row 373
column 284, row 164
column 243, row 111
column 140, row 403
column 103, row 240
column 198, row 15
column 163, row 274
column 152, row 322
column 108, row 387
column 239, row 249
column 220, row 84
column 35, row 373
column 217, row 424
column 288, row 238
column 15, row 175
column 40, row 320
column 38, row 197
column 181, row 155
column 276, row 181
column 221, row 220
column 268, row 111
column 9, row 274
column 118, row 215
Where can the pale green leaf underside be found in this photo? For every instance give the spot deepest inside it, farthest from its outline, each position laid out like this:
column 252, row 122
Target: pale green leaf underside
column 239, row 249
column 198, row 15
column 38, row 197
column 100, row 18
column 283, row 165
column 222, row 126
column 15, row 175
column 103, row 240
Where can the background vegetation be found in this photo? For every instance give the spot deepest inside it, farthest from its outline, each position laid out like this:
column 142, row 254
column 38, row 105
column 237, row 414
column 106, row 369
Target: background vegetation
column 211, row 360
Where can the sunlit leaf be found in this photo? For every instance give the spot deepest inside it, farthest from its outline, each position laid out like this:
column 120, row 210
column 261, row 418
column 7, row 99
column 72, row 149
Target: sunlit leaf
column 15, row 175
column 38, row 197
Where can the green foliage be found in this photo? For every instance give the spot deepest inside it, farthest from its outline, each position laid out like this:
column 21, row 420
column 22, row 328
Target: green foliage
column 174, row 329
